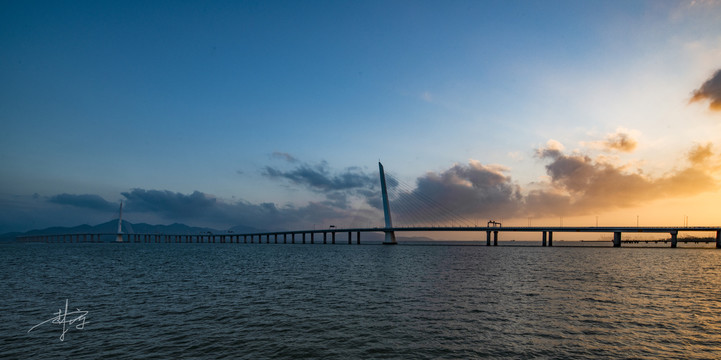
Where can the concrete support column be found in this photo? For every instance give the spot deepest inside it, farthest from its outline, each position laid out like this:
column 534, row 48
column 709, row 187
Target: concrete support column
column 292, row 238
column 349, row 238
column 617, row 239
column 312, row 238
column 488, row 238
column 495, row 238
column 718, row 239
column 674, row 238
column 285, row 238
column 325, row 237
column 303, row 238
column 332, row 237
column 550, row 238
column 357, row 238
column 543, row 242
column 276, row 238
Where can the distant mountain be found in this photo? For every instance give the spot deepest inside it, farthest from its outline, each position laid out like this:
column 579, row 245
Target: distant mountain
column 111, row 227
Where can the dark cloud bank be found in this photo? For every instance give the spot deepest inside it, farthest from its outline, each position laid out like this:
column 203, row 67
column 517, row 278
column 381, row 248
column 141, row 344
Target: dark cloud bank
column 89, row 201
column 577, row 185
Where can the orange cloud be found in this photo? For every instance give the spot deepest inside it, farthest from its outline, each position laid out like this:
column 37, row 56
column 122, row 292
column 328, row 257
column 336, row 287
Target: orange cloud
column 580, row 185
column 620, row 141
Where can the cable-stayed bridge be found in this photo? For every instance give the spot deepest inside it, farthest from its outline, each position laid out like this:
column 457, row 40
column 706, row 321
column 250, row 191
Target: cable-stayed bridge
column 426, row 215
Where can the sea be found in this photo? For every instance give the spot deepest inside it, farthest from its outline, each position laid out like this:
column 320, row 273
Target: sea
column 315, row 301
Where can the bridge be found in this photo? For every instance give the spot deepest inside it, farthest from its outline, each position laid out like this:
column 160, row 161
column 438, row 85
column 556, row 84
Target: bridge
column 332, row 234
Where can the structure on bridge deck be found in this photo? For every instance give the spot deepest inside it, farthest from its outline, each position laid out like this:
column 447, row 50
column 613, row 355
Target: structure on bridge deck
column 390, row 234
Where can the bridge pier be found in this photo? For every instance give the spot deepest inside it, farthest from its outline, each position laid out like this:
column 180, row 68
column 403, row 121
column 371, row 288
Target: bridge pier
column 276, row 238
column 674, row 238
column 617, row 239
column 543, row 242
column 495, row 238
column 292, row 238
column 550, row 238
column 285, row 238
column 332, row 237
column 349, row 238
column 312, row 238
column 303, row 238
column 488, row 238
column 718, row 239
column 357, row 238
column 325, row 238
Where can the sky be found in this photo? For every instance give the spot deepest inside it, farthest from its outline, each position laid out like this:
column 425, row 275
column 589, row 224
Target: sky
column 274, row 114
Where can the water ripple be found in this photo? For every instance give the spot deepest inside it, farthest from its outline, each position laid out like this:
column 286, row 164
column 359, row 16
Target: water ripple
column 253, row 301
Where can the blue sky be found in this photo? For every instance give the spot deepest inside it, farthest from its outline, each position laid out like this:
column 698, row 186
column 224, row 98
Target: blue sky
column 234, row 108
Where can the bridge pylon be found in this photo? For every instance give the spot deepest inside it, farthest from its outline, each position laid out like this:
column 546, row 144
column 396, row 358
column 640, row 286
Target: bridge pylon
column 390, row 235
column 119, row 236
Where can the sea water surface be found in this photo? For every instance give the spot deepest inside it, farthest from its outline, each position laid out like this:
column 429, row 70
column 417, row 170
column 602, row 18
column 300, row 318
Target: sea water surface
column 256, row 301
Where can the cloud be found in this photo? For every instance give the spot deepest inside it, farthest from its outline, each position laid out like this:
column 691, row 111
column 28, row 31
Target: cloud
column 620, row 141
column 699, row 154
column 579, row 185
column 337, row 186
column 319, row 178
column 553, row 149
column 285, row 156
column 203, row 209
column 710, row 90
column 88, row 201
column 168, row 203
column 462, row 192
